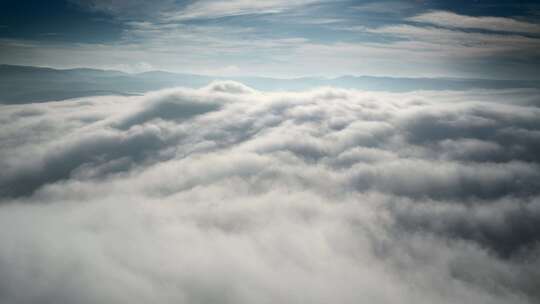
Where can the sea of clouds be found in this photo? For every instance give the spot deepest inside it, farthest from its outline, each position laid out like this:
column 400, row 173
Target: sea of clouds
column 225, row 194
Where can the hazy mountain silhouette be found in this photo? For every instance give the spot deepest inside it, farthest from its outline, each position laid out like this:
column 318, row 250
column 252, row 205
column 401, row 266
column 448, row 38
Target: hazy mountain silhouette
column 24, row 84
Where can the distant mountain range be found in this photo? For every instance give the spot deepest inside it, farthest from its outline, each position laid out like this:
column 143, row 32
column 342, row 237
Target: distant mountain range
column 24, row 84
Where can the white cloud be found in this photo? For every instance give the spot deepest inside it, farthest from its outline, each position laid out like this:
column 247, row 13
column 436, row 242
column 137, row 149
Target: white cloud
column 231, row 195
column 170, row 10
column 407, row 50
column 219, row 8
column 460, row 43
column 500, row 24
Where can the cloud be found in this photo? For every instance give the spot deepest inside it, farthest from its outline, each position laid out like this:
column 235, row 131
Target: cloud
column 264, row 38
column 232, row 195
column 482, row 52
column 385, row 7
column 208, row 9
column 461, row 43
column 499, row 24
column 170, row 10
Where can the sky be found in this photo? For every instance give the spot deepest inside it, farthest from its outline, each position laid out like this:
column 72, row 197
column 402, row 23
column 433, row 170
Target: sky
column 277, row 38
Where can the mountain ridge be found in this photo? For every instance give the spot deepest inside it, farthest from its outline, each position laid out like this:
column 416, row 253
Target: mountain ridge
column 26, row 84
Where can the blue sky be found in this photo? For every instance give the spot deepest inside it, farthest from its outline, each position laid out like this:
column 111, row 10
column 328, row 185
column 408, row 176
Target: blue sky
column 279, row 38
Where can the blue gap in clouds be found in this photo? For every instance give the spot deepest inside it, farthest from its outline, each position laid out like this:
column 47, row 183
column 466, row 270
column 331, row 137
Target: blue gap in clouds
column 54, row 20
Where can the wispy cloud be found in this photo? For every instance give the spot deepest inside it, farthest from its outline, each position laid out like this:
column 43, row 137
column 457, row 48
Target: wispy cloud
column 500, row 24
column 296, row 38
column 208, row 9
column 461, row 42
column 384, row 7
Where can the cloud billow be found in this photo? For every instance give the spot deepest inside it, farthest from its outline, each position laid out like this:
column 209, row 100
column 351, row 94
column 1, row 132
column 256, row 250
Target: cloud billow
column 226, row 194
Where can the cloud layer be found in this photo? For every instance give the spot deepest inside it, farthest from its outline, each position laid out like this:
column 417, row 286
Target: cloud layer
column 225, row 194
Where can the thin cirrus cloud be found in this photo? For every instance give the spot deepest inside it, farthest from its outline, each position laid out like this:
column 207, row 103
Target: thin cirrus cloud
column 218, row 9
column 458, row 42
column 227, row 194
column 453, row 20
column 168, row 10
